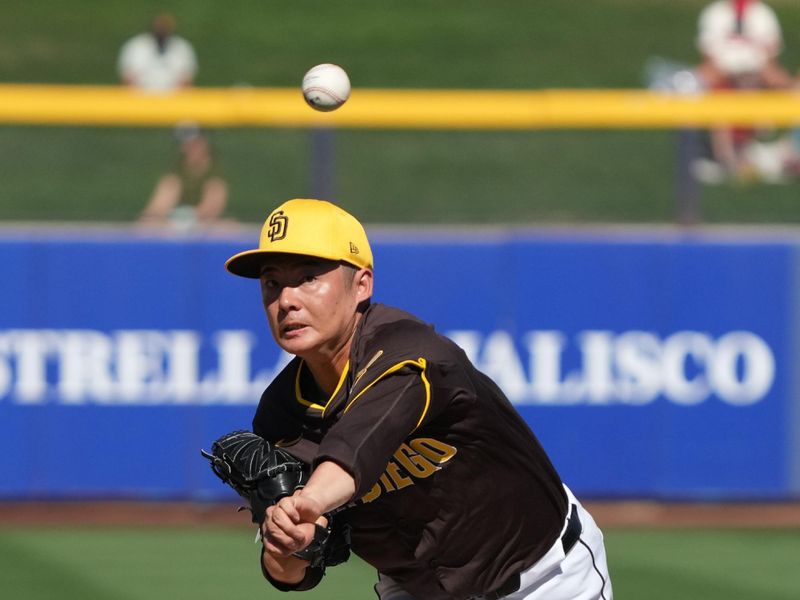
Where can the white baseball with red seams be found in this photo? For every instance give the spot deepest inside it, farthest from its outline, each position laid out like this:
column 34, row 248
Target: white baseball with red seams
column 326, row 87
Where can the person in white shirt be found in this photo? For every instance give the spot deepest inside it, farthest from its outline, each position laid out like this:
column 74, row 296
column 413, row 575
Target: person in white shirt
column 158, row 61
column 738, row 38
column 740, row 42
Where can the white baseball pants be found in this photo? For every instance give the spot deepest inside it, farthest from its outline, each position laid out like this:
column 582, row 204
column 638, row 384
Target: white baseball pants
column 580, row 575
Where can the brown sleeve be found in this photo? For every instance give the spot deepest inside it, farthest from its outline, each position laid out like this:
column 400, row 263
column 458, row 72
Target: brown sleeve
column 375, row 423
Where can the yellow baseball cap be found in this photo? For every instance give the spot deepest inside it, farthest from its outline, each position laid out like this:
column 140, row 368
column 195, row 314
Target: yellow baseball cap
column 309, row 227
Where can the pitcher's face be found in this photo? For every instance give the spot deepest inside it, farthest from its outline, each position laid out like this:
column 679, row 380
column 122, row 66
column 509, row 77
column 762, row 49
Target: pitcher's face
column 312, row 303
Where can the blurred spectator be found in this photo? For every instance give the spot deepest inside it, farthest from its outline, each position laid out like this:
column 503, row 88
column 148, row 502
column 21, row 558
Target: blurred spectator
column 158, row 60
column 194, row 193
column 740, row 41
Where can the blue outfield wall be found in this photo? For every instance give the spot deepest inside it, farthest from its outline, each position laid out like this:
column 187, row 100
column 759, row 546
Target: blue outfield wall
column 648, row 367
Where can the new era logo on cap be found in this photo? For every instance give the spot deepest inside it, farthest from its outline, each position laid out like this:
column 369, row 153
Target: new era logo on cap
column 353, row 248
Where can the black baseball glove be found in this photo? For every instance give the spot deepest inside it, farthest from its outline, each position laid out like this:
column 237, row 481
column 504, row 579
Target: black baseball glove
column 263, row 474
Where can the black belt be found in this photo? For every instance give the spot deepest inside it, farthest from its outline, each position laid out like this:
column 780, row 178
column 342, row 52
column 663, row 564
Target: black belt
column 571, row 535
column 573, row 530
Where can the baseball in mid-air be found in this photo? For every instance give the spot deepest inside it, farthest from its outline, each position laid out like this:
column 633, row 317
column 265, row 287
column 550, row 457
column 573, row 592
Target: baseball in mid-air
column 326, row 87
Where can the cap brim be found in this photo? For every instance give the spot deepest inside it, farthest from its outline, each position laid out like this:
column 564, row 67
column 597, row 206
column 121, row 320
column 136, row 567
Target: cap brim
column 247, row 263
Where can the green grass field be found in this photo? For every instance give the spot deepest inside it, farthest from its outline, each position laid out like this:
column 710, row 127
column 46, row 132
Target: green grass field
column 149, row 563
column 97, row 174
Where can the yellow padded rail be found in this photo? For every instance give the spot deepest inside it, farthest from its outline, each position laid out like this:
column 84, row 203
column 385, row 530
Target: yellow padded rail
column 403, row 108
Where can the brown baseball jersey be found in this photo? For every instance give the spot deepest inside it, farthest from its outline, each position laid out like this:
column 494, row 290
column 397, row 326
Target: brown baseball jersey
column 454, row 494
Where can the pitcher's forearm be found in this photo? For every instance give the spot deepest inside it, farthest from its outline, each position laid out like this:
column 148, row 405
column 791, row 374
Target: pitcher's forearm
column 329, row 487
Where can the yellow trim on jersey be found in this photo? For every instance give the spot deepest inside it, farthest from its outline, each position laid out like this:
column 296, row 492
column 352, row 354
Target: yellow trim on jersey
column 298, row 393
column 427, row 394
column 338, row 386
column 421, row 363
column 287, row 443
